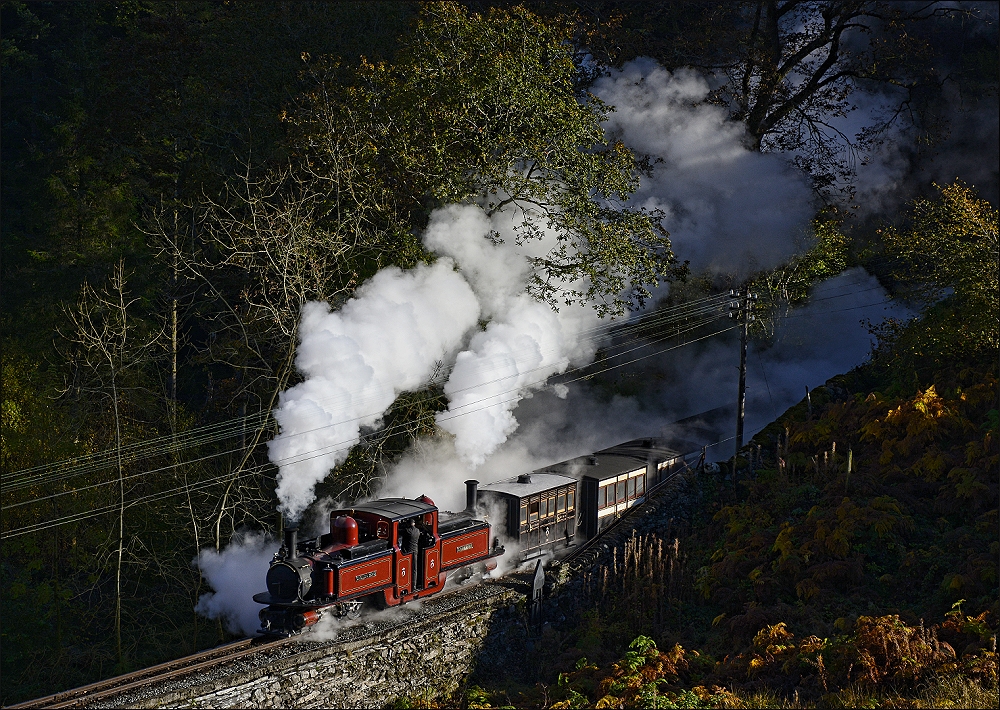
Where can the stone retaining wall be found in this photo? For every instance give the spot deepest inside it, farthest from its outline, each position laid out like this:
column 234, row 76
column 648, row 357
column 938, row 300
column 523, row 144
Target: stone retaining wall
column 409, row 654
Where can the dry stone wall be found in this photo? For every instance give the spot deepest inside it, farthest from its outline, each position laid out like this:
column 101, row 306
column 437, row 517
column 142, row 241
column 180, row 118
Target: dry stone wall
column 412, row 653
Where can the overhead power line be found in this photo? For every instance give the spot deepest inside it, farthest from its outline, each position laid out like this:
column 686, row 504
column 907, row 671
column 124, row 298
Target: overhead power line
column 323, row 451
column 168, row 445
column 701, row 310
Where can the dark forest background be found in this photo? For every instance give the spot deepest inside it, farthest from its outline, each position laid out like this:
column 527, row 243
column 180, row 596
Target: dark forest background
column 177, row 178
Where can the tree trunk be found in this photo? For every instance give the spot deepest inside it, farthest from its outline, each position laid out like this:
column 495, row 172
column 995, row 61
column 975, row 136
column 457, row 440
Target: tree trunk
column 121, row 521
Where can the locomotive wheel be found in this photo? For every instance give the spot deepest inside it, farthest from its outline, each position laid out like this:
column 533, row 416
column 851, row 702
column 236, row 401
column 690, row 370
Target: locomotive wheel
column 378, row 601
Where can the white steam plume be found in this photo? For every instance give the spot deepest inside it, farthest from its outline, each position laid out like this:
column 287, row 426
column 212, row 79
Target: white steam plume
column 525, row 343
column 387, row 339
column 729, row 209
column 234, row 574
column 823, row 338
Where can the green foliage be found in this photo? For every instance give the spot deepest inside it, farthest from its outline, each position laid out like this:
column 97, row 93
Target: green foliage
column 111, row 112
column 484, row 108
column 642, row 678
column 951, row 245
column 791, row 283
column 33, row 429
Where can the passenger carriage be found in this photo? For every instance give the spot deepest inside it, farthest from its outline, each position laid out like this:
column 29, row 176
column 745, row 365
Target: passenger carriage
column 537, row 511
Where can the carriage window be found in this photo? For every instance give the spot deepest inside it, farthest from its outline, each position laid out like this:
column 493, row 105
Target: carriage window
column 602, row 496
column 621, row 491
column 640, row 485
column 631, row 488
column 524, row 513
column 561, row 503
column 570, row 500
column 551, row 506
column 533, row 510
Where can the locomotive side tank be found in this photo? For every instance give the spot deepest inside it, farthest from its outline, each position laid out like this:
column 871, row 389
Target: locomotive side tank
column 387, row 551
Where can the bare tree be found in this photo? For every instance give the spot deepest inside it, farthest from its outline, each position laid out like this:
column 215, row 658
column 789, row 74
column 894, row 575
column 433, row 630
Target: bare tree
column 107, row 347
column 789, row 69
column 261, row 250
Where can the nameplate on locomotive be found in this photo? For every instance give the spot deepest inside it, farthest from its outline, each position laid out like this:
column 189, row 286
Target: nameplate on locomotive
column 463, row 548
column 366, row 575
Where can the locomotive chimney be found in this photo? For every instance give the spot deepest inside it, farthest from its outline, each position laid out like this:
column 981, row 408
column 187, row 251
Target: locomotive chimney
column 471, row 488
column 291, row 540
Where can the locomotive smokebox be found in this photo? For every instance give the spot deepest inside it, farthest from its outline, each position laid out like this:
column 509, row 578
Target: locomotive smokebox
column 471, row 490
column 291, row 540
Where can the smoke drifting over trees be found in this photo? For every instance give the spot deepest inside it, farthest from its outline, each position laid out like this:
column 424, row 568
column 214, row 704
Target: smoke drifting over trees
column 729, row 209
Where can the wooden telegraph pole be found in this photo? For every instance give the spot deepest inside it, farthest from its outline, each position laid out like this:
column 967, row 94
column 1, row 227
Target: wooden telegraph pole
column 741, row 309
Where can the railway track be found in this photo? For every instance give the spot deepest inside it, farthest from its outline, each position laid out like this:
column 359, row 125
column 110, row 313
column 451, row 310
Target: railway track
column 206, row 660
column 200, row 665
column 164, row 671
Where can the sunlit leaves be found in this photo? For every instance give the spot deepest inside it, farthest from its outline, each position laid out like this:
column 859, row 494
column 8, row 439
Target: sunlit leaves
column 483, row 108
column 950, row 245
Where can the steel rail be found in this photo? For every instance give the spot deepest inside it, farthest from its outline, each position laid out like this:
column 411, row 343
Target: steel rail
column 188, row 665
column 202, row 660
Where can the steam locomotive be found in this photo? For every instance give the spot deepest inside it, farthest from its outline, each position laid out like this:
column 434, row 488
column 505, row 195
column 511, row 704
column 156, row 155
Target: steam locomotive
column 394, row 550
column 388, row 552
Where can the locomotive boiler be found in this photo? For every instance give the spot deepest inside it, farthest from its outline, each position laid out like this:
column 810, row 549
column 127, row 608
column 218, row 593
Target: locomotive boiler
column 386, row 552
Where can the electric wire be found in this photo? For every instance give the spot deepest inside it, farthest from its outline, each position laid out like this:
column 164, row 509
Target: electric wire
column 324, row 451
column 209, row 434
column 516, row 390
column 212, row 433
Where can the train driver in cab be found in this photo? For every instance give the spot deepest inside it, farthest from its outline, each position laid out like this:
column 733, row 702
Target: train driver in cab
column 411, row 538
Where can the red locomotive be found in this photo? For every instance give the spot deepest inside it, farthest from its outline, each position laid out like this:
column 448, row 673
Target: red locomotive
column 388, row 551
